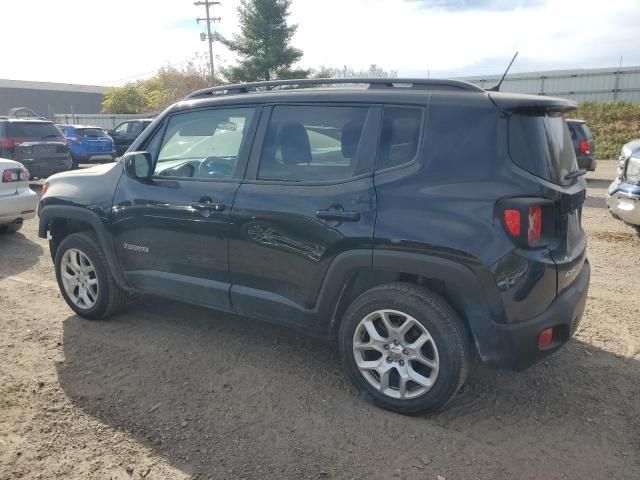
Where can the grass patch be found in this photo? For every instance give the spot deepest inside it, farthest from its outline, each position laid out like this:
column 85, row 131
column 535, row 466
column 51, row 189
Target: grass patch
column 612, row 123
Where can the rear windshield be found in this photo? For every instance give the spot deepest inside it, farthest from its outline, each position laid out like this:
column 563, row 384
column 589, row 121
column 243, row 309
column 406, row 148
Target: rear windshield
column 39, row 130
column 90, row 132
column 540, row 143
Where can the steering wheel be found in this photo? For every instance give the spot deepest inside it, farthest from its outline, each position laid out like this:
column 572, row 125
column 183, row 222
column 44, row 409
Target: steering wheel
column 216, row 167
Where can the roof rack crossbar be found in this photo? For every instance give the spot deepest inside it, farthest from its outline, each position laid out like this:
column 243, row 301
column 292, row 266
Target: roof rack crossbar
column 410, row 83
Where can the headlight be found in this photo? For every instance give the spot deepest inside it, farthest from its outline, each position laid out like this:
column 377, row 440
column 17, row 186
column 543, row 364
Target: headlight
column 632, row 173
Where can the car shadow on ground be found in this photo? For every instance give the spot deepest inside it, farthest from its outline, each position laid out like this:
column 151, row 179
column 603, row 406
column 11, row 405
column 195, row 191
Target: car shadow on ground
column 17, row 253
column 598, row 183
column 226, row 397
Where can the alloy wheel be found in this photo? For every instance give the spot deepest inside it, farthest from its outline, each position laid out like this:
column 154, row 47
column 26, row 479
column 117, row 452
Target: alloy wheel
column 79, row 279
column 396, row 354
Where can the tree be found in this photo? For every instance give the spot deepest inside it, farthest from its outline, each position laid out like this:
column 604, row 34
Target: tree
column 166, row 87
column 374, row 71
column 264, row 44
column 131, row 98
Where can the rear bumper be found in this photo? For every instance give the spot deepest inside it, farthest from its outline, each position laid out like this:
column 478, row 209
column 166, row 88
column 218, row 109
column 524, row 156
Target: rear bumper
column 20, row 205
column 45, row 167
column 94, row 156
column 623, row 201
column 518, row 342
column 586, row 162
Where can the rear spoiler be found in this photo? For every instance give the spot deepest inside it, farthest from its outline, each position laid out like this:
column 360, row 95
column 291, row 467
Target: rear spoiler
column 509, row 102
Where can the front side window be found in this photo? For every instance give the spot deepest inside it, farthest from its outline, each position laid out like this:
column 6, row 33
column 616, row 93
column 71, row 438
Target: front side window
column 203, row 144
column 400, row 136
column 121, row 129
column 312, row 143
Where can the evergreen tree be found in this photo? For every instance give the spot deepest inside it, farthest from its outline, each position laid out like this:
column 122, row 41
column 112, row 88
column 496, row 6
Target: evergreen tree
column 264, row 44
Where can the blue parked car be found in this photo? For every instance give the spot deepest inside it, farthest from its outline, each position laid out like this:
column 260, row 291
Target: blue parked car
column 88, row 144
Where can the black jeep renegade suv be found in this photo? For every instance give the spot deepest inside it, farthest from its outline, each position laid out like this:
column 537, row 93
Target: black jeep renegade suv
column 419, row 223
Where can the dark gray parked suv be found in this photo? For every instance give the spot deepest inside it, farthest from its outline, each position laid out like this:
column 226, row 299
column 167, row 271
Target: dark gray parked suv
column 36, row 143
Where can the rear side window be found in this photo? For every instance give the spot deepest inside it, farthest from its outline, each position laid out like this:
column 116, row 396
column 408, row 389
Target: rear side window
column 400, row 136
column 39, row 130
column 312, row 143
column 540, row 143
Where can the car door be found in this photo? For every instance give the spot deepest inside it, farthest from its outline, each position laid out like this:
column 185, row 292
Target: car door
column 308, row 197
column 171, row 232
column 120, row 137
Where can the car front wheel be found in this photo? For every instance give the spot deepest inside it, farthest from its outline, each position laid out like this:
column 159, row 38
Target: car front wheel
column 405, row 348
column 84, row 277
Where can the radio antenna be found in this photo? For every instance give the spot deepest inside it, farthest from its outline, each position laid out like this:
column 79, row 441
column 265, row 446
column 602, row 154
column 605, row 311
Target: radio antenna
column 496, row 87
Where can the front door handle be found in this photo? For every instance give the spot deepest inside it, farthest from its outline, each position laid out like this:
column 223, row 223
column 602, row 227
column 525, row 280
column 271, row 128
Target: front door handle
column 340, row 215
column 209, row 206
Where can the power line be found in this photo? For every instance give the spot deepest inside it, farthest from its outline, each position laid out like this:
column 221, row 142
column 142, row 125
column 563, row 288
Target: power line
column 142, row 74
column 208, row 36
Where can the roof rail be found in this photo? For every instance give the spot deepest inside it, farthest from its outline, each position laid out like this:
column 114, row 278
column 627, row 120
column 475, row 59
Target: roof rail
column 374, row 83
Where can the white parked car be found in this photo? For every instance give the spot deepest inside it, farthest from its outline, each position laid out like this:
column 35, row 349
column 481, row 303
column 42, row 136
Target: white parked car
column 17, row 201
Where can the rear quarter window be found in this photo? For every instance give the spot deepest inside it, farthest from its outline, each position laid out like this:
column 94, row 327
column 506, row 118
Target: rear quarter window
column 540, row 143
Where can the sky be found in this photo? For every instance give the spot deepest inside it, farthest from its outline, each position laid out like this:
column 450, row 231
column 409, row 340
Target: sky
column 111, row 42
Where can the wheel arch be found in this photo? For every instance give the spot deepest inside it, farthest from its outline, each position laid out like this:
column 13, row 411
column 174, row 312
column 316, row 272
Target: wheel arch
column 62, row 220
column 452, row 280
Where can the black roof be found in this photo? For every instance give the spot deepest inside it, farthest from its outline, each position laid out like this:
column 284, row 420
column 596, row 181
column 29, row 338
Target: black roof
column 395, row 90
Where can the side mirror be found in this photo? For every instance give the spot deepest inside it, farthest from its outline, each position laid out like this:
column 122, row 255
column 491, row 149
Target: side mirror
column 138, row 165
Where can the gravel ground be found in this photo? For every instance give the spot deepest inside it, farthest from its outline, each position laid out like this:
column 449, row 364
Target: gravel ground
column 167, row 390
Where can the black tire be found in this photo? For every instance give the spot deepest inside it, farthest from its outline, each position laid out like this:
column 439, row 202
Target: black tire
column 111, row 298
column 442, row 323
column 11, row 227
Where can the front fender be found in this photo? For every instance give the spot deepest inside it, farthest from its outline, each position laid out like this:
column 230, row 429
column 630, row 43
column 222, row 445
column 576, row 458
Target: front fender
column 49, row 213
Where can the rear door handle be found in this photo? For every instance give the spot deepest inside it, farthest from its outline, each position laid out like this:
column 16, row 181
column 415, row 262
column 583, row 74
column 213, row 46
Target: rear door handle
column 341, row 215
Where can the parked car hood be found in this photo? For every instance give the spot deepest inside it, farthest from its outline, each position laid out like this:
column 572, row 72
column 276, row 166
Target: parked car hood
column 87, row 172
column 633, row 148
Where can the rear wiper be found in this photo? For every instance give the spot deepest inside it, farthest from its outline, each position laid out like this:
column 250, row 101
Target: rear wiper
column 50, row 136
column 575, row 174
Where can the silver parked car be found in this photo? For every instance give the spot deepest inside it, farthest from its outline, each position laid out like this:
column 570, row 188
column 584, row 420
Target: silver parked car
column 623, row 196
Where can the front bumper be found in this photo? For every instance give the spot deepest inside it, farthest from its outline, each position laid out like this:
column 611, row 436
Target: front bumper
column 518, row 342
column 22, row 205
column 623, row 200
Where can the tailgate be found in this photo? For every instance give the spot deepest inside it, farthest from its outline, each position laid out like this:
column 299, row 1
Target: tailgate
column 570, row 252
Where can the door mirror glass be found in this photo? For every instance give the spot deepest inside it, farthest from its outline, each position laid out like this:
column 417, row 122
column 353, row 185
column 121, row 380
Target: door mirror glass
column 138, row 165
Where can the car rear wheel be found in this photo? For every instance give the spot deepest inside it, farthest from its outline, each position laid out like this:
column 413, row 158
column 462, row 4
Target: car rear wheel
column 12, row 227
column 405, row 348
column 84, row 278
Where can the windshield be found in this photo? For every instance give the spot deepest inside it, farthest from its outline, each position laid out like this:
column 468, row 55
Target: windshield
column 540, row 143
column 37, row 130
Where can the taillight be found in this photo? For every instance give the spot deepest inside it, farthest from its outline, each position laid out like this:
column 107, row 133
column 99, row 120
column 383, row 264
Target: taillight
column 11, row 175
column 585, row 148
column 75, row 140
column 528, row 221
column 8, row 143
column 63, row 140
column 512, row 221
column 534, row 233
column 15, row 175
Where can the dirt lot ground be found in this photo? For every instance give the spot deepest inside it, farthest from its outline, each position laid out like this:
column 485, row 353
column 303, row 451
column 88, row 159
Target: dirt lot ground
column 167, row 390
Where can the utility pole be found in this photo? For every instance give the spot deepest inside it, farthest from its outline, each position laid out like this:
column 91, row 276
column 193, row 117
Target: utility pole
column 208, row 36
